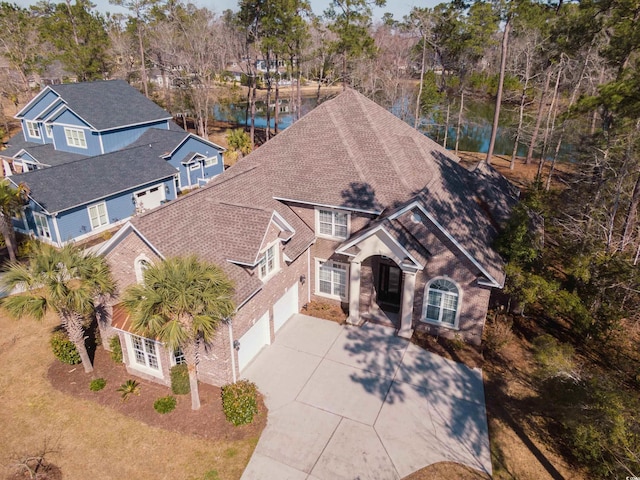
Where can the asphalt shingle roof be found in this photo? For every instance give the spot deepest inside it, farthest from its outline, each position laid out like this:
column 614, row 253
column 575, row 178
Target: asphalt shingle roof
column 80, row 182
column 349, row 152
column 109, row 104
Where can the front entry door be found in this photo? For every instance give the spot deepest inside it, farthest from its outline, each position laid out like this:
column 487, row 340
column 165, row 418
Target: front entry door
column 389, row 290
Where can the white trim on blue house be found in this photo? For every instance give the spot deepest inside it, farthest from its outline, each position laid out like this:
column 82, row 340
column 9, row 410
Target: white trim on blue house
column 191, row 135
column 35, row 99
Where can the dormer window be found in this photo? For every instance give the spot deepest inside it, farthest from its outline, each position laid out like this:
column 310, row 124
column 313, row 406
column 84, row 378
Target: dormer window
column 269, row 263
column 332, row 223
column 32, row 129
column 75, row 137
column 48, row 130
column 141, row 265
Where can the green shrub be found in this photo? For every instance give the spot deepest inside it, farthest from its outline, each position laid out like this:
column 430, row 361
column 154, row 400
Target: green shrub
column 555, row 359
column 97, row 384
column 239, row 402
column 116, row 349
column 165, row 404
column 180, row 380
column 64, row 349
column 129, row 387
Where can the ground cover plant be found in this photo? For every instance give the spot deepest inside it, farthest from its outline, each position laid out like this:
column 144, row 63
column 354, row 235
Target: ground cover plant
column 55, row 402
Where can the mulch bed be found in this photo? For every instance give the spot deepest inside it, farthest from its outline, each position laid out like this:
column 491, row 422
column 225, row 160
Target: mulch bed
column 209, row 422
column 455, row 350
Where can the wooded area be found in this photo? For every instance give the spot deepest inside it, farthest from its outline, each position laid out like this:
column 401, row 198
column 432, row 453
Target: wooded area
column 568, row 70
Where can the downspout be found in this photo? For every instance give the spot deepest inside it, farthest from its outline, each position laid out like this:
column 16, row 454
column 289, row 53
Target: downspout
column 308, row 275
column 54, row 217
column 233, row 358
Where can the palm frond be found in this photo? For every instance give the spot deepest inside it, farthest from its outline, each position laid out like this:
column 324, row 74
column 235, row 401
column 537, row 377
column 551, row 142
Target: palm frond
column 26, row 305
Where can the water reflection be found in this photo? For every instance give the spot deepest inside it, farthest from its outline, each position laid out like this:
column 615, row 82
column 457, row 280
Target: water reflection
column 474, row 131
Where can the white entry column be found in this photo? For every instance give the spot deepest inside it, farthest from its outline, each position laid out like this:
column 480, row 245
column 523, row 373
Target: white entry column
column 406, row 310
column 354, row 293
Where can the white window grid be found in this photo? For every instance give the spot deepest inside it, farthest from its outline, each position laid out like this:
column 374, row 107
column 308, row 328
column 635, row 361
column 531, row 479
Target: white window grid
column 333, row 224
column 332, row 279
column 42, row 226
column 32, row 129
column 98, row 215
column 75, row 137
column 268, row 262
column 145, row 352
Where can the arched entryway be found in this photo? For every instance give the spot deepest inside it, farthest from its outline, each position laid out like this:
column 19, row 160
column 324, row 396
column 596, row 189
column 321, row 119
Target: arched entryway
column 381, row 290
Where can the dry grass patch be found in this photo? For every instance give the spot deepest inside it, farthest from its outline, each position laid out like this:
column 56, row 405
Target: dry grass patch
column 89, row 437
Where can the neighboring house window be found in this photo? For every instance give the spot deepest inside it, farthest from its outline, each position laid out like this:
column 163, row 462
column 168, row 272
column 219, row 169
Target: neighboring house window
column 98, row 215
column 42, row 226
column 145, row 352
column 178, row 357
column 332, row 223
column 332, row 280
column 75, row 137
column 28, row 166
column 49, row 130
column 194, row 166
column 269, row 262
column 32, row 129
column 442, row 302
column 211, row 161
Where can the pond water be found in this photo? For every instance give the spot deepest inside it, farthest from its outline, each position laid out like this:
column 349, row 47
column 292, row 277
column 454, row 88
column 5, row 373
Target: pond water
column 475, row 130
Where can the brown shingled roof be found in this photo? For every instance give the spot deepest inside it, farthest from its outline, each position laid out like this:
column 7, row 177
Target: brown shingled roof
column 348, row 152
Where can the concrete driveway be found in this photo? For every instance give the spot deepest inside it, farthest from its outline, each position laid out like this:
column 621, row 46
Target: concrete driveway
column 360, row 403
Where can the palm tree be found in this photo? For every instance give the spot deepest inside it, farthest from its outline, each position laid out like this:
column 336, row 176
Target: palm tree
column 181, row 303
column 68, row 281
column 11, row 202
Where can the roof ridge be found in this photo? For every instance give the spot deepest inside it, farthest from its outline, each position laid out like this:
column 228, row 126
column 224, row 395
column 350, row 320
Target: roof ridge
column 346, row 143
column 231, row 204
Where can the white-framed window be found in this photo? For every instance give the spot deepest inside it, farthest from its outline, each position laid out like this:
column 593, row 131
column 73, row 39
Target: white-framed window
column 332, row 223
column 42, row 226
column 194, row 166
column 442, row 302
column 140, row 266
column 48, row 128
column 32, row 129
column 211, row 161
column 98, row 215
column 75, row 137
column 331, row 279
column 144, row 352
column 177, row 357
column 269, row 263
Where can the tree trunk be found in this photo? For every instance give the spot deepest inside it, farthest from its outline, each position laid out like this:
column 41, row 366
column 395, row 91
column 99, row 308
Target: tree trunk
column 523, row 101
column 276, row 113
column 503, row 66
column 72, row 324
column 267, row 131
column 549, row 127
column 424, row 56
column 344, row 71
column 536, row 128
column 446, row 125
column 9, row 235
column 632, row 212
column 193, row 385
column 459, row 119
column 143, row 68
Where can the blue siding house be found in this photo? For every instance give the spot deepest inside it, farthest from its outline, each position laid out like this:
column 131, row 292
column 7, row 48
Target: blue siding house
column 94, row 154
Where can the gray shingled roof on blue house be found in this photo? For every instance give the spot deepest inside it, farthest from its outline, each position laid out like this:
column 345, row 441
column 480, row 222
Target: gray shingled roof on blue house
column 47, row 155
column 90, row 179
column 109, row 104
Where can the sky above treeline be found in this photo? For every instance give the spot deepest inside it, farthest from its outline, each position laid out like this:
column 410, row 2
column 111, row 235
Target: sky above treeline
column 398, row 8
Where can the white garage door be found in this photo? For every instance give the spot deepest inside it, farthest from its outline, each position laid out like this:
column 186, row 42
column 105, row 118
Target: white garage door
column 285, row 307
column 150, row 198
column 252, row 342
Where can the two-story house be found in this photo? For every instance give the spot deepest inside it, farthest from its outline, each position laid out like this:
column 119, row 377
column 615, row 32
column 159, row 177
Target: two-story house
column 94, row 154
column 349, row 205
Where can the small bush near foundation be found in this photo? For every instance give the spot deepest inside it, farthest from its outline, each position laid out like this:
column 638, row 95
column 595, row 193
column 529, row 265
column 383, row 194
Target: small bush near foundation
column 97, row 384
column 165, row 404
column 128, row 388
column 239, row 402
column 116, row 349
column 64, row 349
column 499, row 334
column 180, row 380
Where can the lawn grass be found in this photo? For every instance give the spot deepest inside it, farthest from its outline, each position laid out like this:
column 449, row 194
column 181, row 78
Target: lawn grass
column 91, row 440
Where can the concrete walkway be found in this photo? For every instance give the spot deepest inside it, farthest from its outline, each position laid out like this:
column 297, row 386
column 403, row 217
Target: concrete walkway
column 360, row 403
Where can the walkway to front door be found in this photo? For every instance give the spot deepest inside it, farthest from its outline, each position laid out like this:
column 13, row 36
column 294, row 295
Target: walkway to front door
column 358, row 402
